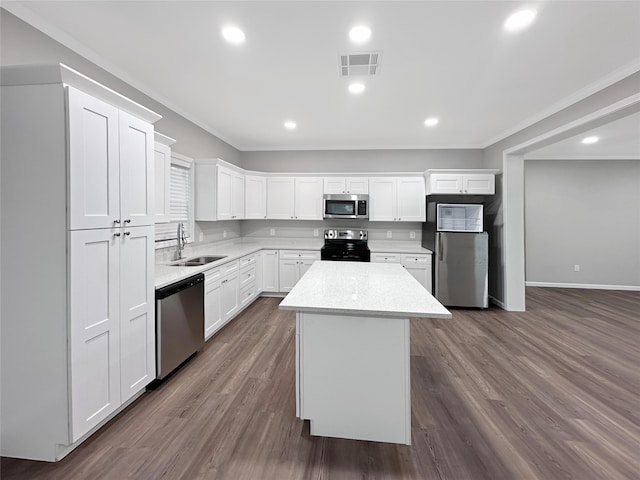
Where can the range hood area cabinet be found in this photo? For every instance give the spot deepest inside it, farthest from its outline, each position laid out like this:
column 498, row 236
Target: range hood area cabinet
column 78, row 309
column 461, row 181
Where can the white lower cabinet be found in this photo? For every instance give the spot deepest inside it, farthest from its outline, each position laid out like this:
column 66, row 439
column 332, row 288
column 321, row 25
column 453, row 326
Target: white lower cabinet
column 213, row 318
column 270, row 271
column 112, row 321
column 418, row 265
column 293, row 264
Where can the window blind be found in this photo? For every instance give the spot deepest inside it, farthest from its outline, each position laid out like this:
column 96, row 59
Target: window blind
column 179, row 195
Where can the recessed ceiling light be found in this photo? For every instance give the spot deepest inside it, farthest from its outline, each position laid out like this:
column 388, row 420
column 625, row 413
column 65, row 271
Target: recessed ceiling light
column 360, row 34
column 233, row 35
column 290, row 125
column 519, row 20
column 590, row 140
column 431, row 122
column 356, row 88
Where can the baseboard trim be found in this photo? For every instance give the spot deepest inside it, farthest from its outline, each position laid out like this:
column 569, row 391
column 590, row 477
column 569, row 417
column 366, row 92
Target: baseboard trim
column 591, row 286
column 497, row 302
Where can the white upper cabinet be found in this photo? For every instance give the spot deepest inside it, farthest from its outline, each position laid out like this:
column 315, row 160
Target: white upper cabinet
column 162, row 174
column 461, row 182
column 280, row 198
column 346, row 185
column 294, row 198
column 219, row 191
column 230, row 194
column 308, row 198
column 255, row 197
column 396, row 199
column 136, row 171
column 94, row 165
column 110, row 165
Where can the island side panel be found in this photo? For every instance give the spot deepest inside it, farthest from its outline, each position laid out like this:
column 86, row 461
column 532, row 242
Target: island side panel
column 354, row 376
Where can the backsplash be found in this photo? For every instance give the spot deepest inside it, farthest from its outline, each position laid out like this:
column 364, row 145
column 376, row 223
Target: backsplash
column 400, row 231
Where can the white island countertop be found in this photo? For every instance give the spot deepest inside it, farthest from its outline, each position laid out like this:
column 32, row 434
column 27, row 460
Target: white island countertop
column 352, row 288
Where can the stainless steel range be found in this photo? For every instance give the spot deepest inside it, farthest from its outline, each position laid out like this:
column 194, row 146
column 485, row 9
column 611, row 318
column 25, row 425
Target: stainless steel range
column 346, row 246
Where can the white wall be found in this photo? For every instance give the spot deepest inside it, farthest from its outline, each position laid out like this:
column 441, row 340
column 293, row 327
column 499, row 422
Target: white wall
column 21, row 44
column 583, row 213
column 493, row 158
column 327, row 161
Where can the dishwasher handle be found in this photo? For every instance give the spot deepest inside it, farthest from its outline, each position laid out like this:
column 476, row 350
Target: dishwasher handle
column 176, row 287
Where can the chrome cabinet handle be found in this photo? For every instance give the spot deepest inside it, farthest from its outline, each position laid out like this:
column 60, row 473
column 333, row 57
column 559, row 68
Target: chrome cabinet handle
column 127, row 233
column 117, row 222
column 128, row 220
column 116, row 235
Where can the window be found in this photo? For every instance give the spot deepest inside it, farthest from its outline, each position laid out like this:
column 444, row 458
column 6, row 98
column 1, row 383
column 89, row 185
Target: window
column 180, row 203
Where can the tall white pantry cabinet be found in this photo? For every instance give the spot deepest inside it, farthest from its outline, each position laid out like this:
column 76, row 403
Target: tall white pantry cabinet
column 77, row 304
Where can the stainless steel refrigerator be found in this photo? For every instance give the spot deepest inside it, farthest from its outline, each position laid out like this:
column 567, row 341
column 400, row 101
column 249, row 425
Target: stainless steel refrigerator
column 455, row 234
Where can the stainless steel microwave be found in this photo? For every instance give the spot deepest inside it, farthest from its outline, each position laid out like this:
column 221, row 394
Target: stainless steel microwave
column 346, row 206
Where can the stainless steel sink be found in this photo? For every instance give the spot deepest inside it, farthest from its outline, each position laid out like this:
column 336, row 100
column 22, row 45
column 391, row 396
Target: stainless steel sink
column 197, row 261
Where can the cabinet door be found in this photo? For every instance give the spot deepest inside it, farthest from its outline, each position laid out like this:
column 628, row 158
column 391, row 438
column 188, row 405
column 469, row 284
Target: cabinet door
column 230, row 296
column 304, row 265
column 334, row 185
column 479, row 184
column 280, row 197
column 137, row 199
column 270, row 271
column 213, row 318
column 224, row 195
column 94, row 327
column 255, row 205
column 308, row 198
column 94, row 196
column 419, row 274
column 237, row 195
column 357, row 185
column 288, row 274
column 411, row 199
column 162, row 173
column 137, row 310
column 382, row 199
column 445, row 183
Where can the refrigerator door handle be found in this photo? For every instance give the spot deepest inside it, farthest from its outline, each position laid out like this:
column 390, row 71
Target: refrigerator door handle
column 440, row 248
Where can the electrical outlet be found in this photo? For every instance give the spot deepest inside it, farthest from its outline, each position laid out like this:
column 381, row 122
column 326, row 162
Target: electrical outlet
column 224, row 234
column 315, row 232
column 201, row 237
column 389, row 234
column 412, row 235
column 272, row 232
column 576, row 268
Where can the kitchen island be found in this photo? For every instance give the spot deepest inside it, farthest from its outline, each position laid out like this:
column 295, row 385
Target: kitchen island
column 352, row 348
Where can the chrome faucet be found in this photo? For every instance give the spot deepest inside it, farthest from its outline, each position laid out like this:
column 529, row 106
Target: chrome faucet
column 182, row 240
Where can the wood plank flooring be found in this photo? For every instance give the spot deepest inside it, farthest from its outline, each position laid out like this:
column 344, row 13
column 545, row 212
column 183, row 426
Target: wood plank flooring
column 551, row 393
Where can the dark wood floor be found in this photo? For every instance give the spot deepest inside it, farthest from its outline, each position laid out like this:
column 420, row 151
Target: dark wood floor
column 552, row 393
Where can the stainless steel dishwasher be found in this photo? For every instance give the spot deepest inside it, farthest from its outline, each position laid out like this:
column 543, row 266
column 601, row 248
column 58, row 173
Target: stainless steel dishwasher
column 179, row 323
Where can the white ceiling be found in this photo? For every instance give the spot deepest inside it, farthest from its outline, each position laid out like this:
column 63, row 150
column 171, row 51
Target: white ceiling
column 449, row 59
column 619, row 139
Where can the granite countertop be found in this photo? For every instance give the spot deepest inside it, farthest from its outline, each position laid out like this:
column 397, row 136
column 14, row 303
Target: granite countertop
column 166, row 274
column 377, row 289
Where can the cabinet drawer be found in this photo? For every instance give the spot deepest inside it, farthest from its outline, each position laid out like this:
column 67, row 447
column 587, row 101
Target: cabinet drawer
column 230, row 267
column 385, row 257
column 248, row 260
column 247, row 293
column 212, row 275
column 299, row 255
column 416, row 261
column 247, row 275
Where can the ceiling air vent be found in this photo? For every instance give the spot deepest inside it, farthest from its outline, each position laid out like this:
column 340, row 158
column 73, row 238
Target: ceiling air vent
column 352, row 64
